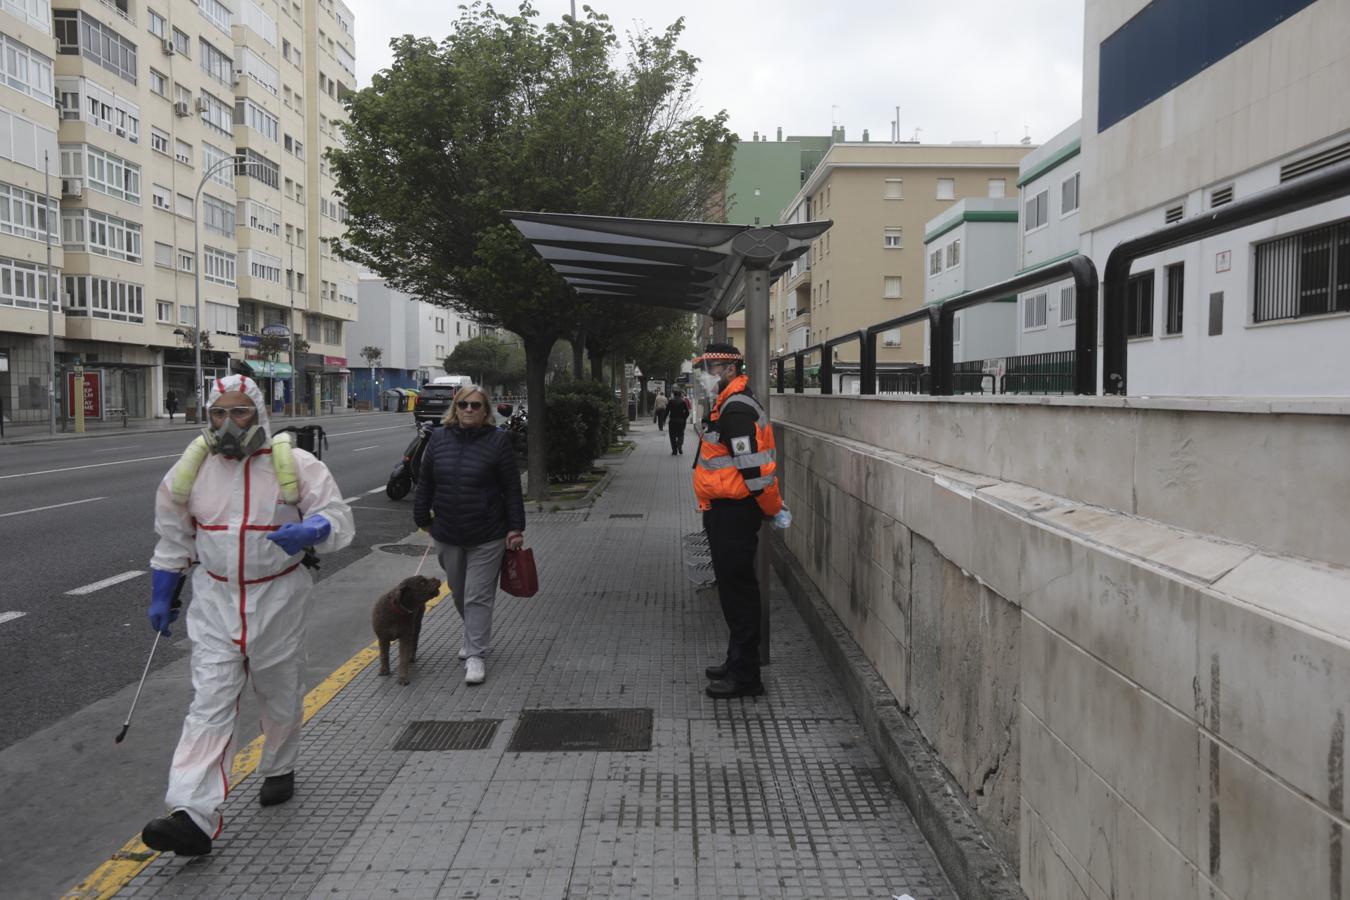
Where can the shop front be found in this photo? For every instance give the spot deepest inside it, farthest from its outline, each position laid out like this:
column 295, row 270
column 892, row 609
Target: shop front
column 179, row 374
column 336, row 382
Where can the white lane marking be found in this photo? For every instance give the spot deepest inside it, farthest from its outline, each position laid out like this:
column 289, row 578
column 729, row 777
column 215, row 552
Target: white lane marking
column 10, row 616
column 351, row 499
column 110, row 449
column 404, row 426
column 359, row 449
column 120, row 462
column 107, row 582
column 53, row 506
column 378, row 490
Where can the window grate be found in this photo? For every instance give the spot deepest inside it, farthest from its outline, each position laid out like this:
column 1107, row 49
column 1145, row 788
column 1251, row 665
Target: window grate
column 1221, row 196
column 1314, row 162
column 1305, row 274
column 1174, row 214
column 582, row 730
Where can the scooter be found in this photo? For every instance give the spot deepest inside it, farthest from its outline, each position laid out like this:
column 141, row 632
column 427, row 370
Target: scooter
column 516, row 426
column 409, row 469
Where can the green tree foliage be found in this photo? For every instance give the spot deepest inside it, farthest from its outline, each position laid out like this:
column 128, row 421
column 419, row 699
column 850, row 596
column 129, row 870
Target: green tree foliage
column 509, row 113
column 491, row 361
column 660, row 350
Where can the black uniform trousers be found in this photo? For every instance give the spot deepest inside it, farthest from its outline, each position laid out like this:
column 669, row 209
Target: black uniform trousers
column 677, row 434
column 732, row 527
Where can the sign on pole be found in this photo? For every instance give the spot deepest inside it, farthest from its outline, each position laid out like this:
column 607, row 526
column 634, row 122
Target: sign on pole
column 92, row 408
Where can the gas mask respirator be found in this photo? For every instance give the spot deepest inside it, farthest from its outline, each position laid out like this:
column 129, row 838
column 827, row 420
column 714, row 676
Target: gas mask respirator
column 234, row 442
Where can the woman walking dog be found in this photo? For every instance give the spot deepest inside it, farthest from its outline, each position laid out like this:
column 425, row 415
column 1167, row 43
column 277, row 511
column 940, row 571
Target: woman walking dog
column 469, row 497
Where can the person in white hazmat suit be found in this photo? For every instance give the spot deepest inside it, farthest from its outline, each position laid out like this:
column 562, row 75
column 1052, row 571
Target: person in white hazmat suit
column 243, row 506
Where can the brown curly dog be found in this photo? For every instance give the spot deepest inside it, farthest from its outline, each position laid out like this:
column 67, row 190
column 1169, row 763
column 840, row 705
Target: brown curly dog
column 398, row 617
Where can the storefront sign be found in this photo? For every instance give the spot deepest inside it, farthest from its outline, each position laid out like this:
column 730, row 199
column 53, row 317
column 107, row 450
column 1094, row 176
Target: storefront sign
column 276, row 328
column 93, row 394
column 249, row 340
column 335, row 360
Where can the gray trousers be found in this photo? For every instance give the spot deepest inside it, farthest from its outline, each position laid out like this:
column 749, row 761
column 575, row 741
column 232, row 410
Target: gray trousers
column 472, row 573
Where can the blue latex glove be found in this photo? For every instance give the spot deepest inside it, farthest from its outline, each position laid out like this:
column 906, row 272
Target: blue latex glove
column 296, row 536
column 162, row 586
column 783, row 519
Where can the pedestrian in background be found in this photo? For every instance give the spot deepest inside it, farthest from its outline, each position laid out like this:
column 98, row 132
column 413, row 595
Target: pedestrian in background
column 660, row 411
column 469, row 497
column 678, row 411
column 171, row 404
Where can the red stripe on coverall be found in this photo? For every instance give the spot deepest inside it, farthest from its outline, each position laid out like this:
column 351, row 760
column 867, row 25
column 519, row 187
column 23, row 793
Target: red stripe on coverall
column 243, row 533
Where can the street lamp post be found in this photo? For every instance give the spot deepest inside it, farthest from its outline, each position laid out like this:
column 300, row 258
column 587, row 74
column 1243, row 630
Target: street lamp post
column 197, row 391
column 52, row 294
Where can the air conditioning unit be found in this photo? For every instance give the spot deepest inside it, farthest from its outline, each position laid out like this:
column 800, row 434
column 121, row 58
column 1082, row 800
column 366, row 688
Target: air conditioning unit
column 166, row 45
column 201, row 104
column 72, row 187
column 181, row 110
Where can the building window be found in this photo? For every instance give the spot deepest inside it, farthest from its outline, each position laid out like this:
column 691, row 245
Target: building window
column 260, row 23
column 1068, row 305
column 246, row 112
column 264, row 266
column 182, row 43
column 935, row 262
column 164, row 255
column 954, row 253
column 895, row 189
column 104, row 298
column 998, row 187
column 214, row 161
column 890, row 287
column 101, row 171
column 1068, row 195
column 187, row 261
column 216, row 113
column 254, row 165
column 161, row 197
column 1176, row 295
column 1036, row 210
column 88, row 101
column 159, row 141
column 332, row 331
column 956, row 327
column 440, row 325
column 218, row 215
column 216, row 63
column 164, row 312
column 156, row 24
column 187, row 314
column 1033, row 311
column 1306, row 274
column 80, row 33
column 260, row 216
column 1139, row 305
column 27, row 214
column 946, row 188
column 87, row 231
column 182, row 151
column 259, row 69
column 221, row 318
column 217, row 13
column 159, row 83
column 22, row 285
column 183, row 205
column 25, row 69
column 892, row 238
column 891, row 338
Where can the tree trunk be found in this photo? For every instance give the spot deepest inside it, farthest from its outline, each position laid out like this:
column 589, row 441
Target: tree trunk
column 579, row 354
column 536, row 367
column 642, row 396
column 597, row 365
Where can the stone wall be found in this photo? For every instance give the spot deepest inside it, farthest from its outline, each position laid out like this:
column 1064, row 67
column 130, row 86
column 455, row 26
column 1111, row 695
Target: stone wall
column 1131, row 709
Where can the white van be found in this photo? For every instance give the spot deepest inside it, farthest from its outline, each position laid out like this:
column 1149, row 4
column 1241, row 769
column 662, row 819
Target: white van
column 454, row 381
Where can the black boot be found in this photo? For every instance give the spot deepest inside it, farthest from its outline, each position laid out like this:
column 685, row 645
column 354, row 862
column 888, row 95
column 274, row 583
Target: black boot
column 277, row 789
column 726, row 690
column 178, row 833
column 717, row 672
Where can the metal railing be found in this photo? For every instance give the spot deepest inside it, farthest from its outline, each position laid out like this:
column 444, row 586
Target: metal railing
column 942, row 376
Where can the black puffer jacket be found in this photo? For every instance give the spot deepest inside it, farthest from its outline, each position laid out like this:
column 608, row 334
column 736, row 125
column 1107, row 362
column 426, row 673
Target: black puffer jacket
column 471, row 484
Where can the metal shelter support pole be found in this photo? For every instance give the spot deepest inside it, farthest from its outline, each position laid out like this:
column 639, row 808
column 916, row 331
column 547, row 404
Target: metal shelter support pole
column 757, row 366
column 719, row 329
column 52, row 293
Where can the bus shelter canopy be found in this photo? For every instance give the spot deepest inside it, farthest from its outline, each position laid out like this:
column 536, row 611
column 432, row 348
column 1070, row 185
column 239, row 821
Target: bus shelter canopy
column 695, row 267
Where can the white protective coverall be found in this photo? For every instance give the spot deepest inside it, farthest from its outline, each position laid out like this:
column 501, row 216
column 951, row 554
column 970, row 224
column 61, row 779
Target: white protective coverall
column 249, row 611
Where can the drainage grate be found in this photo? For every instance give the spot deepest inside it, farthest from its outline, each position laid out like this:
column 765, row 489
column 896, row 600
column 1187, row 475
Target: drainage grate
column 626, row 515
column 472, row 735
column 558, row 730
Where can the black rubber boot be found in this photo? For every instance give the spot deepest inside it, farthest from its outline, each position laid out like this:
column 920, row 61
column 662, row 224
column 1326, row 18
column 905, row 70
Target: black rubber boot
column 717, row 672
column 726, row 690
column 176, row 833
column 277, row 789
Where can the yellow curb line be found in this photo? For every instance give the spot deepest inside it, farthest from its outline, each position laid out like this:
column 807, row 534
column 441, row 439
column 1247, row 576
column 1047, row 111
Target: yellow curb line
column 134, row 856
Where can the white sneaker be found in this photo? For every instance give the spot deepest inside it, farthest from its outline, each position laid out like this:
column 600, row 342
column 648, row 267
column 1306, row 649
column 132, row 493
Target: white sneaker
column 464, row 654
column 473, row 670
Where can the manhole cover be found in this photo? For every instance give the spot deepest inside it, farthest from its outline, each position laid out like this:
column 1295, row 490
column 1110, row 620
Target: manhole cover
column 472, row 735
column 402, row 549
column 556, row 730
column 626, row 515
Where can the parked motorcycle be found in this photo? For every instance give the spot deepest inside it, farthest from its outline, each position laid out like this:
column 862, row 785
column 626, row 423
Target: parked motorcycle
column 516, row 426
column 409, row 469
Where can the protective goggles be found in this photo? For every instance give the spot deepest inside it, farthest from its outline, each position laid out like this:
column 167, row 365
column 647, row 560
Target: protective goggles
column 238, row 413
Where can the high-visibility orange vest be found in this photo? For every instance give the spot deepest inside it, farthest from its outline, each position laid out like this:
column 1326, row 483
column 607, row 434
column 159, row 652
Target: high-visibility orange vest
column 717, row 471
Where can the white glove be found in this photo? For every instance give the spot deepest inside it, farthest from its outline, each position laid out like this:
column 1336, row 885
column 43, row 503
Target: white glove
column 783, row 519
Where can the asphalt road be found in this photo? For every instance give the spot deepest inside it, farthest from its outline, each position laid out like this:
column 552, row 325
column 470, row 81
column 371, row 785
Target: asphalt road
column 77, row 513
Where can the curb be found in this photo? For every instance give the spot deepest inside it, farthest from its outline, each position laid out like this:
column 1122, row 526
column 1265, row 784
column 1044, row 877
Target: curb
column 975, row 869
column 114, row 432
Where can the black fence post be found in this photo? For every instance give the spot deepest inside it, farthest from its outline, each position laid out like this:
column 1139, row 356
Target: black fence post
column 780, row 369
column 867, row 363
column 799, row 367
column 1085, row 326
column 939, row 351
column 826, row 369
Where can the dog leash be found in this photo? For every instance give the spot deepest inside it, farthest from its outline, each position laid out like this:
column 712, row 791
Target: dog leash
column 425, row 553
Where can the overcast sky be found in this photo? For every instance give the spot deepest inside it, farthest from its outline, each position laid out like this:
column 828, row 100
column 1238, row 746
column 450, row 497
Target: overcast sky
column 958, row 69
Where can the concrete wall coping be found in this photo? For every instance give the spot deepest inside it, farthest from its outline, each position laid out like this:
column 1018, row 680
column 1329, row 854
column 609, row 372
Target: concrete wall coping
column 1313, row 406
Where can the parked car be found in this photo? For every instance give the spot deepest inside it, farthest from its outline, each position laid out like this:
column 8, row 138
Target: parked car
column 433, row 402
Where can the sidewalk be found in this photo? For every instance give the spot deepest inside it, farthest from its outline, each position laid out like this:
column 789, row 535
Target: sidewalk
column 26, row 433
column 777, row 796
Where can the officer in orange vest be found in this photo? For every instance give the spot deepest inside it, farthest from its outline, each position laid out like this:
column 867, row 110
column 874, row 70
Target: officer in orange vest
column 737, row 487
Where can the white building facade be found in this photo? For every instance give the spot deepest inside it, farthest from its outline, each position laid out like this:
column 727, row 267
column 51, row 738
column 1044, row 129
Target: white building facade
column 973, row 245
column 1262, row 310
column 1050, row 194
column 415, row 337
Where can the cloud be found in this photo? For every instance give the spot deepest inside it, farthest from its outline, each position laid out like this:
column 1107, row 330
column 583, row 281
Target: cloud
column 958, row 70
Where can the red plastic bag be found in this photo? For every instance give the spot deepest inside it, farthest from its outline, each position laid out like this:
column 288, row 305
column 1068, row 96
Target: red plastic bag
column 519, row 577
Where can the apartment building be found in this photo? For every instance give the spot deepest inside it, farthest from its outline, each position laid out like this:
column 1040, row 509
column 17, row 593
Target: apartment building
column 189, row 142
column 415, row 337
column 869, row 266
column 1253, row 97
column 971, row 245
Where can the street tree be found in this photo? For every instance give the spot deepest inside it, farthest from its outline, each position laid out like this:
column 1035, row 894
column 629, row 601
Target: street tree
column 491, row 360
column 506, row 113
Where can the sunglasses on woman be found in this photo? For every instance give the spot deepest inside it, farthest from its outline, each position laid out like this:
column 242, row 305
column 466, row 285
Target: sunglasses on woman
column 469, row 404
